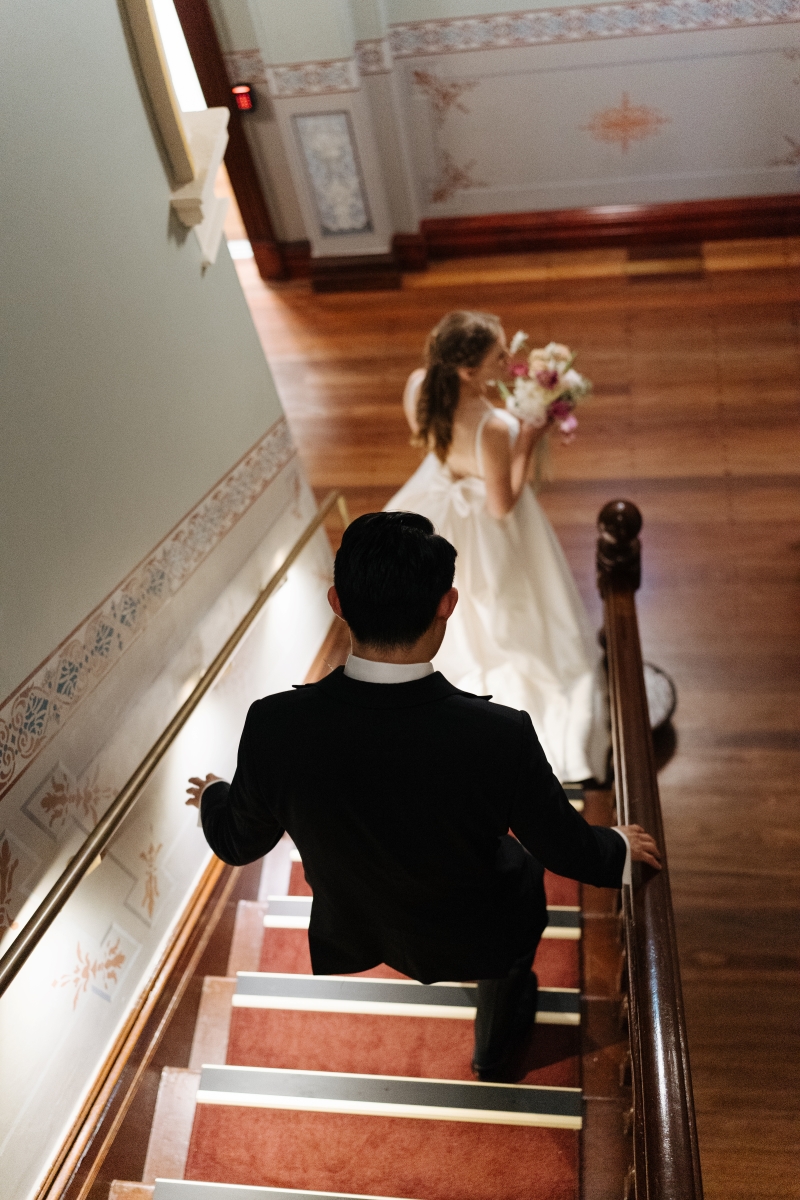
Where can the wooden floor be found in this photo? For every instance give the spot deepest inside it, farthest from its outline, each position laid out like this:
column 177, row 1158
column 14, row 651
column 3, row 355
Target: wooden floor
column 695, row 418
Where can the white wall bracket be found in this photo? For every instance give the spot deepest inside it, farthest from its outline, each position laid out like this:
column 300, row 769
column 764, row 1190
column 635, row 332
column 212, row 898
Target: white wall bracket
column 194, row 203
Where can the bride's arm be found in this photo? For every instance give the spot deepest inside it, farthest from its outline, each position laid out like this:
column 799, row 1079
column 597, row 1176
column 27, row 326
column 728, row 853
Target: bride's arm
column 410, row 397
column 505, row 467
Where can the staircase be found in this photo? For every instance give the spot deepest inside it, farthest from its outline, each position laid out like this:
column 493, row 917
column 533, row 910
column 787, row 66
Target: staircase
column 361, row 1085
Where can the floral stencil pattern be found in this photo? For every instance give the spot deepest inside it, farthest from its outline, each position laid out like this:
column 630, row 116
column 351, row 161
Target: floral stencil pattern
column 102, row 970
column 453, row 178
column 151, row 892
column 625, row 123
column 244, row 65
column 373, row 56
column 63, row 797
column 314, row 78
column 443, row 94
column 8, row 869
column 792, row 158
column 19, row 867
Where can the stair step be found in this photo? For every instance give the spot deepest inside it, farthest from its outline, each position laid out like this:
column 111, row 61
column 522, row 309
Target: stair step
column 325, row 1023
column 294, row 912
column 575, row 795
column 384, row 1135
column 386, row 997
column 564, row 922
column 392, row 1096
column 189, row 1189
column 282, row 950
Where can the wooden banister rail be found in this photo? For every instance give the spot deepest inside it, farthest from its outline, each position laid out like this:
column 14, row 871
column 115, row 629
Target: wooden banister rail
column 666, row 1162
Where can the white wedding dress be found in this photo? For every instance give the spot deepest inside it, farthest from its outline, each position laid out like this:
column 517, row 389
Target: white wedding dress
column 520, row 631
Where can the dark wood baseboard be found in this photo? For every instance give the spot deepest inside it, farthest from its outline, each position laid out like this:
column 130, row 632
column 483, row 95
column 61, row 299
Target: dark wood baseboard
column 635, row 225
column 410, row 251
column 613, row 225
column 269, row 259
column 296, row 257
column 359, row 273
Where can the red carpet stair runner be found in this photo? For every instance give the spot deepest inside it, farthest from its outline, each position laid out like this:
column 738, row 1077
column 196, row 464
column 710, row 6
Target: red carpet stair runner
column 360, row 1086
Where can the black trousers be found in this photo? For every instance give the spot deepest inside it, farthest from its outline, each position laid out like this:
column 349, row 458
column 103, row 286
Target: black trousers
column 502, row 1004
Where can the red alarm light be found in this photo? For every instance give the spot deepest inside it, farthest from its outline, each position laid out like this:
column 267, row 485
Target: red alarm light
column 244, row 96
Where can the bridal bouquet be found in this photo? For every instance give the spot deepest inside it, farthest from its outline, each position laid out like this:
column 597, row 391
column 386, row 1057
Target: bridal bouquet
column 545, row 385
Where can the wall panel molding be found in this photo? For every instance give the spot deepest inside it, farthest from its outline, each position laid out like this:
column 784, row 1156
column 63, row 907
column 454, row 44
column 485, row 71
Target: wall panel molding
column 540, row 27
column 39, row 708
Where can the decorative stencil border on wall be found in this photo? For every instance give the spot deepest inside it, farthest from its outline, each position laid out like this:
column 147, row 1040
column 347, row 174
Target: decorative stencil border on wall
column 32, row 715
column 328, row 150
column 313, row 78
column 454, row 35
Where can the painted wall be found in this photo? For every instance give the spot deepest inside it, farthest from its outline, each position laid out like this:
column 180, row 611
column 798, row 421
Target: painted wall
column 149, row 488
column 481, row 109
column 131, row 381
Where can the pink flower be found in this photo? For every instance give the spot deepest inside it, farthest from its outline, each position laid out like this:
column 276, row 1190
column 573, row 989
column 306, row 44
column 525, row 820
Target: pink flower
column 569, row 425
column 560, row 409
column 519, row 370
column 547, row 379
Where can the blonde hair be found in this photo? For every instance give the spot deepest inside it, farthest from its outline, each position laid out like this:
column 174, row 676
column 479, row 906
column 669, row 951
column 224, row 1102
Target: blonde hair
column 461, row 339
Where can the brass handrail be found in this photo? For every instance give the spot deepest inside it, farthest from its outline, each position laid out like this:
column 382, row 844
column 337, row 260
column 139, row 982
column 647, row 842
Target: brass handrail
column 100, row 837
column 666, row 1161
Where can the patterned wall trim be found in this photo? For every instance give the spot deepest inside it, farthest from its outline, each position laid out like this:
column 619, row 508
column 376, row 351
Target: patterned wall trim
column 374, row 56
column 245, row 66
column 40, row 707
column 314, row 78
column 542, row 26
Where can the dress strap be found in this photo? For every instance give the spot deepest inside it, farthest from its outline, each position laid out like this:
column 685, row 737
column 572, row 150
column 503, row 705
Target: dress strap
column 490, row 412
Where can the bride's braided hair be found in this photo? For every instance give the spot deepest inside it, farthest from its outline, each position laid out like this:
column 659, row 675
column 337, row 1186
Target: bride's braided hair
column 461, row 339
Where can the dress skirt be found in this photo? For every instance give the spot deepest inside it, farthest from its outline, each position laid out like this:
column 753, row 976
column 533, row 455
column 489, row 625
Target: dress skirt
column 520, row 631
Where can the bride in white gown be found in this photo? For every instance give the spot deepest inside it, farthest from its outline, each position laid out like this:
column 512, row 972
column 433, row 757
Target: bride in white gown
column 520, row 631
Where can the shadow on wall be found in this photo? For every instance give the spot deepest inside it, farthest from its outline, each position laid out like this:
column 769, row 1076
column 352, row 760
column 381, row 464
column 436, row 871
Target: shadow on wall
column 176, row 231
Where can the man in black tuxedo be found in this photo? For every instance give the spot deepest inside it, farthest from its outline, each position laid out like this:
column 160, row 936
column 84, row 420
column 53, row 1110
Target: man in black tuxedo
column 399, row 791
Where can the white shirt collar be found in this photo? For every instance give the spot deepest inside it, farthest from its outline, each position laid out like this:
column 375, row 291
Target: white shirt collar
column 367, row 671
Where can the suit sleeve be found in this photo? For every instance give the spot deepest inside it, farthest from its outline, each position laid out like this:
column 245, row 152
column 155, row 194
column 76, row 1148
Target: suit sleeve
column 236, row 818
column 549, row 827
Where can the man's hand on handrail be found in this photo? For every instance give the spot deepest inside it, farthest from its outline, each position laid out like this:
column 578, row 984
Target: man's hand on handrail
column 643, row 847
column 197, row 786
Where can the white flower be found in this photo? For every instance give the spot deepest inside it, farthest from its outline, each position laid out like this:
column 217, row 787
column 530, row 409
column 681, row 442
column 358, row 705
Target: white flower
column 558, row 352
column 529, row 402
column 575, row 384
column 517, row 342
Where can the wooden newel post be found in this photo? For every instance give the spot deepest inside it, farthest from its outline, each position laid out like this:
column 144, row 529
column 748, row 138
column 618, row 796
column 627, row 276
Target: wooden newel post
column 665, row 1155
column 619, row 551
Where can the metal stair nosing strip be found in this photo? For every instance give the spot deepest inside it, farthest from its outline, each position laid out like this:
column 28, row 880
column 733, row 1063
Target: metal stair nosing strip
column 189, row 1189
column 385, row 997
column 392, row 1096
column 294, row 912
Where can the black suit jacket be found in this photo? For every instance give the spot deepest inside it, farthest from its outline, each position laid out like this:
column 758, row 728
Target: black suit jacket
column 399, row 798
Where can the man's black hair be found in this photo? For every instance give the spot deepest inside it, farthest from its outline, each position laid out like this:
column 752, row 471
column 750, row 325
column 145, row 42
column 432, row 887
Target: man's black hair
column 390, row 573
